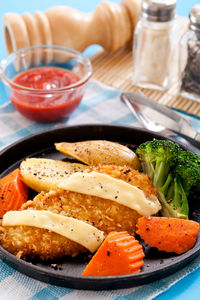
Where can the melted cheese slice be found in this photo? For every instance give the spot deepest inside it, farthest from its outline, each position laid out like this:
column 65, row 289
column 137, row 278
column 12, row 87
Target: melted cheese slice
column 73, row 229
column 107, row 187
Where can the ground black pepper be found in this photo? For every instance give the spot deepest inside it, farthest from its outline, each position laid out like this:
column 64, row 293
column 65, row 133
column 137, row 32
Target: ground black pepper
column 190, row 55
column 190, row 76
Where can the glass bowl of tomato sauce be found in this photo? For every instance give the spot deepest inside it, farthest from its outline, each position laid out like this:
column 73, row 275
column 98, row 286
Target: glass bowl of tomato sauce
column 45, row 83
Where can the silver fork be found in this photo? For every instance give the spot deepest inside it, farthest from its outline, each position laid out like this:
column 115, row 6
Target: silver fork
column 144, row 121
column 152, row 125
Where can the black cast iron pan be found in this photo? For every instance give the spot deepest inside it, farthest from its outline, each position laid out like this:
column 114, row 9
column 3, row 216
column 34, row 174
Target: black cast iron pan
column 68, row 271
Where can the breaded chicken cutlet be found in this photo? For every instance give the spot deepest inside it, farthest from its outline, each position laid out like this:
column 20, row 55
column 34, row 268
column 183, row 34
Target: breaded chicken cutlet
column 104, row 214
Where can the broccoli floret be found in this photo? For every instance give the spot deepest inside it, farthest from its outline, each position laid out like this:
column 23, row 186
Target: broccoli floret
column 157, row 157
column 188, row 170
column 174, row 172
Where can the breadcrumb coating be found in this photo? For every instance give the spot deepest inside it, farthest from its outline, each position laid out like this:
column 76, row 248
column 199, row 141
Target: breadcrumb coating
column 104, row 214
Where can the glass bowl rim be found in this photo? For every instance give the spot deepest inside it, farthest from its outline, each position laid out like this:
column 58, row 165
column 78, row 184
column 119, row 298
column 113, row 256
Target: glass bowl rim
column 25, row 89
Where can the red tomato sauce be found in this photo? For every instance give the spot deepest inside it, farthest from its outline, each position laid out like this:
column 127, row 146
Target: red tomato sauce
column 49, row 106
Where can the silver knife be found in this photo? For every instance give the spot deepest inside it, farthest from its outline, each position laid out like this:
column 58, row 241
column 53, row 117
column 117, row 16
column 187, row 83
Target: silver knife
column 148, row 109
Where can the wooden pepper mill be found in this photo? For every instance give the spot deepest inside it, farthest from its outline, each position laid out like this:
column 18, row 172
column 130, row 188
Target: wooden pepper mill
column 110, row 25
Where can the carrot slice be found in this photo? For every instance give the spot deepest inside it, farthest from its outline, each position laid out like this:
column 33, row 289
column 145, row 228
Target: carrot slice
column 119, row 254
column 168, row 234
column 13, row 192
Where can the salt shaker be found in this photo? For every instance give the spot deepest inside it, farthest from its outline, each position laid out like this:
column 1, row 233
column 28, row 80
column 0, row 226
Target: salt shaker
column 189, row 64
column 155, row 48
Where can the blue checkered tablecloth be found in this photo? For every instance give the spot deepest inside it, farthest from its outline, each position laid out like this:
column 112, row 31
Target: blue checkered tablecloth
column 101, row 104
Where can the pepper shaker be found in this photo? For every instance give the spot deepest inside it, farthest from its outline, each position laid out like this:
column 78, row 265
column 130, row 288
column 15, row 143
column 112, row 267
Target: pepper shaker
column 189, row 64
column 155, row 48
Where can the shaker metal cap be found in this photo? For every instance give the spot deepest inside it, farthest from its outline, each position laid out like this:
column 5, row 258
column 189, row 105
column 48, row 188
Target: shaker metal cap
column 158, row 10
column 195, row 18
